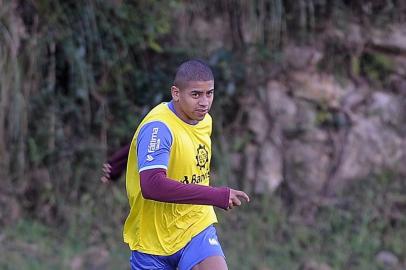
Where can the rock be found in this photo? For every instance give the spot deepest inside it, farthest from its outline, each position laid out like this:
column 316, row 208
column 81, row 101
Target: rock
column 317, row 87
column 353, row 37
column 267, row 122
column 387, row 107
column 400, row 66
column 398, row 83
column 211, row 32
column 354, row 98
column 258, row 123
column 369, row 135
column 281, row 107
column 302, row 58
column 387, row 258
column 400, row 165
column 392, row 38
column 306, row 116
column 370, row 147
column 307, row 163
column 92, row 259
column 313, row 265
column 269, row 175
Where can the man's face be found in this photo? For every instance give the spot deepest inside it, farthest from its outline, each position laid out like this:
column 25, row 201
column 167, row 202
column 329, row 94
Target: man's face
column 194, row 100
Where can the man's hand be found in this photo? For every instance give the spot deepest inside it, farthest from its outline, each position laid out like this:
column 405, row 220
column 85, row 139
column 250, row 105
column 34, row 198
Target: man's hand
column 235, row 198
column 105, row 178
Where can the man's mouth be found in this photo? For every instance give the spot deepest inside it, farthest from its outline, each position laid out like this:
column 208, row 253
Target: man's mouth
column 202, row 111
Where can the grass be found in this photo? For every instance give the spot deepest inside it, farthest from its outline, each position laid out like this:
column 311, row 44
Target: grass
column 31, row 245
column 264, row 235
column 365, row 220
column 89, row 237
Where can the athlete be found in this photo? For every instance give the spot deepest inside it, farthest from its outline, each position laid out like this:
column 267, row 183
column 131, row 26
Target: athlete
column 170, row 223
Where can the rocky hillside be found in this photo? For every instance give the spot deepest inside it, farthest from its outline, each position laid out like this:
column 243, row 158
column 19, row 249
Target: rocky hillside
column 316, row 130
column 331, row 110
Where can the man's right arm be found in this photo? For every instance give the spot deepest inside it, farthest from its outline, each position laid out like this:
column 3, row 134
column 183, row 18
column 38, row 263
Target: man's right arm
column 156, row 186
column 153, row 149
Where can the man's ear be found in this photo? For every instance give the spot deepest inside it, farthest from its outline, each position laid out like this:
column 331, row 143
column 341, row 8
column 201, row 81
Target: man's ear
column 175, row 93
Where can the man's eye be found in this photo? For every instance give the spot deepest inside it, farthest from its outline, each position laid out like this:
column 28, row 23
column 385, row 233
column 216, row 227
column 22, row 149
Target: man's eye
column 210, row 93
column 195, row 95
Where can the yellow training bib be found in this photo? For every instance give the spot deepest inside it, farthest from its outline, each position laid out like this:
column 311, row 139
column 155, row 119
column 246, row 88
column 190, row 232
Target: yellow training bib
column 164, row 228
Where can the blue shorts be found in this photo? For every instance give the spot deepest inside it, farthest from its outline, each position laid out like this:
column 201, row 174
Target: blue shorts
column 203, row 245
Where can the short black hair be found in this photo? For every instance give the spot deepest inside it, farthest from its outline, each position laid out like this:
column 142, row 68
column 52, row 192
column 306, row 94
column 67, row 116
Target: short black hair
column 192, row 70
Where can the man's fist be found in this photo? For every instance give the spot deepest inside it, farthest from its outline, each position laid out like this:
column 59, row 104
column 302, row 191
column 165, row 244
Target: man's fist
column 235, row 198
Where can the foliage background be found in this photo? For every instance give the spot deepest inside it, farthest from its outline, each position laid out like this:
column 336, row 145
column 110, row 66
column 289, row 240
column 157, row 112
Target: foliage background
column 76, row 77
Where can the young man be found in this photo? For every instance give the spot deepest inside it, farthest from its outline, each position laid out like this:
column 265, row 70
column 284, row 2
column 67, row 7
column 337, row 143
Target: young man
column 170, row 224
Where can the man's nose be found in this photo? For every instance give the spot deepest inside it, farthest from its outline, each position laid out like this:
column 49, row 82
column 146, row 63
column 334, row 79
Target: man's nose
column 204, row 101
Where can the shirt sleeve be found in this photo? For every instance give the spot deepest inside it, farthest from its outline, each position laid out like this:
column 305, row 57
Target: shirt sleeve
column 118, row 162
column 156, row 186
column 119, row 155
column 153, row 146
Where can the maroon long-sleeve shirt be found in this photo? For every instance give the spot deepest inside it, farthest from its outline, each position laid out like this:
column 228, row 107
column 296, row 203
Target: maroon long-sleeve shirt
column 156, row 186
column 118, row 162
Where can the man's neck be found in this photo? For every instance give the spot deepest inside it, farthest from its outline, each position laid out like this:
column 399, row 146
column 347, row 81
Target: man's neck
column 173, row 107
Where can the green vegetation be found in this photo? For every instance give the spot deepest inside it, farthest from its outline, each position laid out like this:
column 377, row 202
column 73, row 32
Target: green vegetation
column 346, row 233
column 377, row 67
